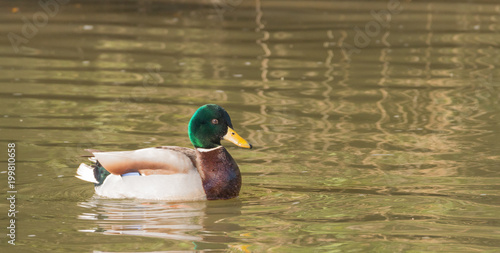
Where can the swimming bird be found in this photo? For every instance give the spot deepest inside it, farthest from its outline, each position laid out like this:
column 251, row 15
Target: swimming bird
column 173, row 173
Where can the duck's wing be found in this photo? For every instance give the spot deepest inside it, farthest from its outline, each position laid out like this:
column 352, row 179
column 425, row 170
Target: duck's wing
column 148, row 161
column 189, row 152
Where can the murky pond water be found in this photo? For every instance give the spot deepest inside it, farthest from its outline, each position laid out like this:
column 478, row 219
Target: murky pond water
column 375, row 122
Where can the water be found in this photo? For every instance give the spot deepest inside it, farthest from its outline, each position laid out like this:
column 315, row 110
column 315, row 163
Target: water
column 377, row 140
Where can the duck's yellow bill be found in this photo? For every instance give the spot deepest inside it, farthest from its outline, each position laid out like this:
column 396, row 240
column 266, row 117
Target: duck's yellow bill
column 235, row 138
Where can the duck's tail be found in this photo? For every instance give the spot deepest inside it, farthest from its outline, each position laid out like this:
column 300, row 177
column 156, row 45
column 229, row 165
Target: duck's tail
column 94, row 173
column 86, row 173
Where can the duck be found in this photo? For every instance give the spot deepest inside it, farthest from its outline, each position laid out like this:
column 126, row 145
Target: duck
column 207, row 172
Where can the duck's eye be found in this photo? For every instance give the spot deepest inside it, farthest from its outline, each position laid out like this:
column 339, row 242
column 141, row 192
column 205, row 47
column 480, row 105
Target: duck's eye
column 215, row 121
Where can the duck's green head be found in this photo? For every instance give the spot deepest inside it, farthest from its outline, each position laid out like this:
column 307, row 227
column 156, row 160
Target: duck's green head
column 209, row 125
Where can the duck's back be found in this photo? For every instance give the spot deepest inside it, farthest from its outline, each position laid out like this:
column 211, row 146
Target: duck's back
column 148, row 161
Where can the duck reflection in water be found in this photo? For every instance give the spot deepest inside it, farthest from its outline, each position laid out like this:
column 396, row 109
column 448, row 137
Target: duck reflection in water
column 203, row 221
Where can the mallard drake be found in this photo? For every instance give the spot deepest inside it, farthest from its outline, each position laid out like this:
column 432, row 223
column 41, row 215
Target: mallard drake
column 173, row 173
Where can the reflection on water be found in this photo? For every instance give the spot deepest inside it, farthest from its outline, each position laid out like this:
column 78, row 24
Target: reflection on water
column 145, row 219
column 187, row 221
column 370, row 135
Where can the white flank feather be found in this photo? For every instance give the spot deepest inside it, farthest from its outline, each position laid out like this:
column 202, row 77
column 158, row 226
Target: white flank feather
column 176, row 187
column 86, row 173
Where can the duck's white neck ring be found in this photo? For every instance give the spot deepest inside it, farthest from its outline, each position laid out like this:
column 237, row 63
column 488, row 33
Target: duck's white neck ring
column 208, row 149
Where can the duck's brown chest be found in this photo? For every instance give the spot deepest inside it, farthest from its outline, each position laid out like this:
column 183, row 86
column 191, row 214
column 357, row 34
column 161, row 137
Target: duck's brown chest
column 219, row 172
